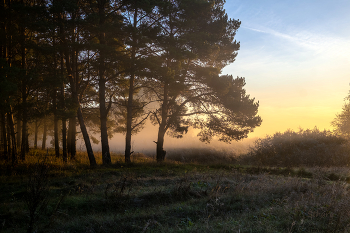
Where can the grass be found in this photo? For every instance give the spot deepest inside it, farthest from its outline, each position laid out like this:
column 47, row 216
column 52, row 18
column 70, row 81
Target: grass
column 175, row 197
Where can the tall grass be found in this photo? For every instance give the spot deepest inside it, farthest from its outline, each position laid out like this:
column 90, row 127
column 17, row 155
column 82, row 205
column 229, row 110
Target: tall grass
column 302, row 148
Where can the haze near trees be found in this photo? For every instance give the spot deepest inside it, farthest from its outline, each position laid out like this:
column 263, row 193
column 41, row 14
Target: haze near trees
column 111, row 65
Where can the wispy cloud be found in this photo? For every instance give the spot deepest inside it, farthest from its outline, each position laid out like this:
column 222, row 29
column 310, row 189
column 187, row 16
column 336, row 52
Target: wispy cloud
column 319, row 43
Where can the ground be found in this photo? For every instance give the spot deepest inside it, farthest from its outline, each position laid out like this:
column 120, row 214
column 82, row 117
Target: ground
column 146, row 196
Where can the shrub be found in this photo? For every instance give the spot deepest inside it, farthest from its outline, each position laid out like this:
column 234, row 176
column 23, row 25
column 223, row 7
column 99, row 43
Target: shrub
column 303, row 148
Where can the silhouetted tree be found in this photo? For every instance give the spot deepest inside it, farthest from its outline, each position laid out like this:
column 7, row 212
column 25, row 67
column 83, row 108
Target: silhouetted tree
column 341, row 122
column 193, row 48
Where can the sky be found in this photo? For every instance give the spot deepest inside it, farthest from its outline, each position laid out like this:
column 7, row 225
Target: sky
column 295, row 57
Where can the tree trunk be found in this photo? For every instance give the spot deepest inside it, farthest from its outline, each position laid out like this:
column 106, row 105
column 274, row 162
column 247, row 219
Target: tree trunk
column 24, row 124
column 129, row 110
column 72, row 136
column 13, row 138
column 8, row 138
column 63, row 110
column 86, row 139
column 79, row 113
column 106, row 157
column 162, row 127
column 18, row 129
column 3, row 133
column 24, row 94
column 55, row 123
column 36, row 134
column 160, row 143
column 43, row 145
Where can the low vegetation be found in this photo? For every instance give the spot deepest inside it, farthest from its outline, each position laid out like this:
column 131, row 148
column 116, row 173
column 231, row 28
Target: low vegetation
column 45, row 195
column 303, row 148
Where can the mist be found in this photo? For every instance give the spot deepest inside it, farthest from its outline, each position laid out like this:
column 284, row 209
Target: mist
column 144, row 142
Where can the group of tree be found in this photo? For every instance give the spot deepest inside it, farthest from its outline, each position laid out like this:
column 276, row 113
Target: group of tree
column 113, row 64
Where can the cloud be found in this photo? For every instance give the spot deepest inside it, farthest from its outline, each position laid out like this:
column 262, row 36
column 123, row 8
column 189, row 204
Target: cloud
column 320, row 44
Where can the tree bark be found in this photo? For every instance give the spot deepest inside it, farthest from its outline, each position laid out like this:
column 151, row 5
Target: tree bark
column 160, row 143
column 106, row 157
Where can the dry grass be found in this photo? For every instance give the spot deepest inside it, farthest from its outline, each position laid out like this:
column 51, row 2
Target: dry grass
column 179, row 197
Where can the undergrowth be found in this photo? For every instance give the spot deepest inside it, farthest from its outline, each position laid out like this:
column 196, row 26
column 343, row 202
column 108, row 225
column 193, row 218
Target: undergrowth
column 302, row 148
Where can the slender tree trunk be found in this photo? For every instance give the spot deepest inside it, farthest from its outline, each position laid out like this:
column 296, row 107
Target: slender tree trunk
column 43, row 145
column 24, row 125
column 8, row 138
column 3, row 132
column 64, row 140
column 13, row 138
column 63, row 110
column 24, row 95
column 86, row 139
column 106, row 157
column 18, row 129
column 69, row 140
column 36, row 134
column 55, row 123
column 72, row 136
column 3, row 54
column 129, row 116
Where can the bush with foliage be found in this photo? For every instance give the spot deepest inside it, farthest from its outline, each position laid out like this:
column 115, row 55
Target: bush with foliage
column 302, row 148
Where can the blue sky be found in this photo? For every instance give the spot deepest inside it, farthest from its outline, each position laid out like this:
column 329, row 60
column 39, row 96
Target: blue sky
column 295, row 56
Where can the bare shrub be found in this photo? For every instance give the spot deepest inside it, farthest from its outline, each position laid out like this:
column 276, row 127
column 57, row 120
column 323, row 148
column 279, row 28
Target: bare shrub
column 36, row 196
column 121, row 188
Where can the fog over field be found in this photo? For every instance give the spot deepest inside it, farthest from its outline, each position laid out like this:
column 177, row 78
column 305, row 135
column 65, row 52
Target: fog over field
column 143, row 142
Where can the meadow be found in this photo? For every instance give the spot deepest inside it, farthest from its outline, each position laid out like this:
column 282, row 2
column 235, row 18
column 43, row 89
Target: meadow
column 210, row 192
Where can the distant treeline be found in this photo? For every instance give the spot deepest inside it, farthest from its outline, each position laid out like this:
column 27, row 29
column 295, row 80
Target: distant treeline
column 108, row 65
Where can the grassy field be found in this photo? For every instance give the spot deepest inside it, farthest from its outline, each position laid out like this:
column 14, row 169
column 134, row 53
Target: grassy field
column 170, row 197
